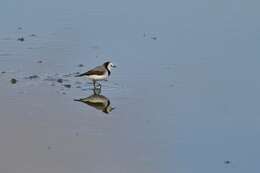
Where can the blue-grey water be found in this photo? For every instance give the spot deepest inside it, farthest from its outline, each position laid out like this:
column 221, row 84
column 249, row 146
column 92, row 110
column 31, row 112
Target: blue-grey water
column 185, row 93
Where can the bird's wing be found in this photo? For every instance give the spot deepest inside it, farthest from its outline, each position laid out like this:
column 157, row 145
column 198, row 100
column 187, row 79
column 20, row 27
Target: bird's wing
column 99, row 70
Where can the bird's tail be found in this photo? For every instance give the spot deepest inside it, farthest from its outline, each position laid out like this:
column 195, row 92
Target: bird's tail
column 80, row 75
column 77, row 100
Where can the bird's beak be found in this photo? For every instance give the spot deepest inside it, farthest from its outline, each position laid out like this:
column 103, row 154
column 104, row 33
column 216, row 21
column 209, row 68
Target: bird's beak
column 114, row 66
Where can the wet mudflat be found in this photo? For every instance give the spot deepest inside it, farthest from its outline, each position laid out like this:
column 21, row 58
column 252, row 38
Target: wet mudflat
column 183, row 98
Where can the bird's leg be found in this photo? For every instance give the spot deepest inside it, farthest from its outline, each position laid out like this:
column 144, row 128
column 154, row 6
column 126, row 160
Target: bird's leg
column 97, row 85
column 100, row 86
column 97, row 91
column 94, row 84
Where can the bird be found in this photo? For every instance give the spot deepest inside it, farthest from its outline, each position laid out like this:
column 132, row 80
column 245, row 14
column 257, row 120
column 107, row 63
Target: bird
column 97, row 101
column 99, row 73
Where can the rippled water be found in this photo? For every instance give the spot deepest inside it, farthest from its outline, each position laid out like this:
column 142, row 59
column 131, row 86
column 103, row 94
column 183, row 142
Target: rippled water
column 184, row 97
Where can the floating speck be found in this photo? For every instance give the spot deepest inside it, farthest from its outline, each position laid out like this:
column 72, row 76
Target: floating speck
column 60, row 80
column 154, row 38
column 227, row 162
column 20, row 39
column 13, row 81
column 67, row 86
column 80, row 65
column 32, row 77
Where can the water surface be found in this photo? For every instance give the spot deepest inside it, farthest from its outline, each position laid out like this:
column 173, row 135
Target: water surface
column 185, row 93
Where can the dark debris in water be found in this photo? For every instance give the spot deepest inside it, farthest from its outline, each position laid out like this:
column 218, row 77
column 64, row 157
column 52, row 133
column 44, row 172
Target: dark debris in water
column 154, row 38
column 60, row 80
column 71, row 74
column 227, row 162
column 40, row 61
column 67, row 86
column 3, row 72
column 20, row 39
column 54, row 79
column 13, row 81
column 32, row 35
column 32, row 77
column 80, row 65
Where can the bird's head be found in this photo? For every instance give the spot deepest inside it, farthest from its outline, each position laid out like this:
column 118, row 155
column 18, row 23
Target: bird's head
column 109, row 65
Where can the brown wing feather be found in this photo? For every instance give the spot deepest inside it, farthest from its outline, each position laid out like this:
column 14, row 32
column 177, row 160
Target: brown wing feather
column 97, row 71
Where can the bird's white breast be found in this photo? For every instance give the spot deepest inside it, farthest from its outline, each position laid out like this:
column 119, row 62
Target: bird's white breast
column 98, row 77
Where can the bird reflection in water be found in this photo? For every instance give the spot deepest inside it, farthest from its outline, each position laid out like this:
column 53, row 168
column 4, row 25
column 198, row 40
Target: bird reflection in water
column 97, row 101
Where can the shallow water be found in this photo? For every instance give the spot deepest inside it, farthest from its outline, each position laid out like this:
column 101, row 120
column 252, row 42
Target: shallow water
column 184, row 95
